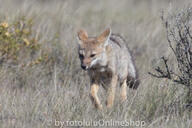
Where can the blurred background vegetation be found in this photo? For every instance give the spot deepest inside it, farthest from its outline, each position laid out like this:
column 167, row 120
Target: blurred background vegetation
column 40, row 76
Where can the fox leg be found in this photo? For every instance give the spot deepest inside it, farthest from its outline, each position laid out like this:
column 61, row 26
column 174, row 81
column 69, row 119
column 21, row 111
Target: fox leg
column 95, row 98
column 124, row 90
column 111, row 91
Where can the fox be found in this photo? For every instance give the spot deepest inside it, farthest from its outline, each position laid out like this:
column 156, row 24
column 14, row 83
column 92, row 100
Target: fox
column 108, row 61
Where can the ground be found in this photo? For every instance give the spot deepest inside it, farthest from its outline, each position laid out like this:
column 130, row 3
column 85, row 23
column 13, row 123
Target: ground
column 50, row 94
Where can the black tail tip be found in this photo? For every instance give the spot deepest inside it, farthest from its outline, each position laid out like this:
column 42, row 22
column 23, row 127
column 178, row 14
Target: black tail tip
column 133, row 84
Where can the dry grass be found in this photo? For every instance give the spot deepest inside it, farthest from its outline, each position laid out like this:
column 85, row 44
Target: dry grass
column 34, row 96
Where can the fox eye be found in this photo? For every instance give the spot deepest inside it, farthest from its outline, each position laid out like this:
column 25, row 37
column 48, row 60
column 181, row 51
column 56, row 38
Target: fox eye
column 81, row 56
column 92, row 55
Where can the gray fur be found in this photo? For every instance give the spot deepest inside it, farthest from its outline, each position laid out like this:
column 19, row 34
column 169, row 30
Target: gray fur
column 118, row 61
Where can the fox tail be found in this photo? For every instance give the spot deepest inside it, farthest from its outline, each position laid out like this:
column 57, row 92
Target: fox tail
column 133, row 82
column 133, row 76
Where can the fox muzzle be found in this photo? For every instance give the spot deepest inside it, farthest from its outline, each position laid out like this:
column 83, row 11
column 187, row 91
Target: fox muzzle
column 84, row 67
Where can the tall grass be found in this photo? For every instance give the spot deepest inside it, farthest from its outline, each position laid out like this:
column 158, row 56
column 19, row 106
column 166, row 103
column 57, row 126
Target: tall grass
column 56, row 89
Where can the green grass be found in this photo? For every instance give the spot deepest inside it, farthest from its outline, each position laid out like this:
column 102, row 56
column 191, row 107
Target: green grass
column 56, row 89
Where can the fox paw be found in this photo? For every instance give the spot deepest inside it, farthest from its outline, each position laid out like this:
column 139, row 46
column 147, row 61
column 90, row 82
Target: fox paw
column 100, row 106
column 109, row 105
column 123, row 98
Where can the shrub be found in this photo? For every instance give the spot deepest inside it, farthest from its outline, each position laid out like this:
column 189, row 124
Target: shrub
column 179, row 36
column 17, row 41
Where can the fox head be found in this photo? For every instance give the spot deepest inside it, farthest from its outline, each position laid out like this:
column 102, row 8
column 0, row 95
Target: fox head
column 92, row 50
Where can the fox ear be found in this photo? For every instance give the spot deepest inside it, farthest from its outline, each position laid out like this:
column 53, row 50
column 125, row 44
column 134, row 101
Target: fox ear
column 82, row 35
column 104, row 37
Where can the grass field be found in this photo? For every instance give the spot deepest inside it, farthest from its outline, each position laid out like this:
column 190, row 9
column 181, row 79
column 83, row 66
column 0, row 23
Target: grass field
column 55, row 90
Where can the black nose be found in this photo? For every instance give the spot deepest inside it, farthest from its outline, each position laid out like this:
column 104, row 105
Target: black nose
column 83, row 67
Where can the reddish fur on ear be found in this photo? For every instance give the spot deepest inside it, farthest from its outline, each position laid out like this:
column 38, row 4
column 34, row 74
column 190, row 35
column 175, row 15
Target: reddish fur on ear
column 104, row 36
column 82, row 34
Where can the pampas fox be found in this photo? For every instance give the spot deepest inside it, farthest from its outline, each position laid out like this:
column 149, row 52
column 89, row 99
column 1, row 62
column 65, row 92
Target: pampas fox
column 108, row 61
